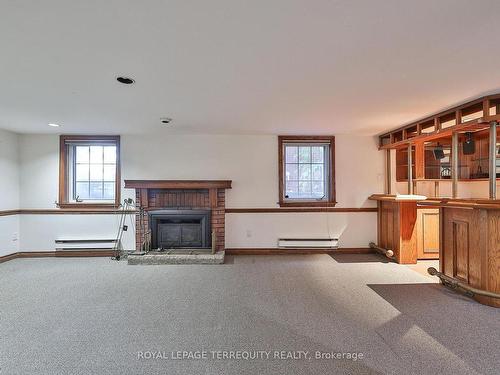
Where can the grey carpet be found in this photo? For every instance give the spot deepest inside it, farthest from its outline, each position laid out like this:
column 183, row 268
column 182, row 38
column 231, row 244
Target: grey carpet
column 93, row 316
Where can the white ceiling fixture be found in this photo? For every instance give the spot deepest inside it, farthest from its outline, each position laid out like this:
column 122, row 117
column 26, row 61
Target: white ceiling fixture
column 242, row 67
column 54, row 125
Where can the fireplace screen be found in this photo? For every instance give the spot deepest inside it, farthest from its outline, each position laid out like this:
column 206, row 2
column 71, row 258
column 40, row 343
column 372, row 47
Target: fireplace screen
column 180, row 229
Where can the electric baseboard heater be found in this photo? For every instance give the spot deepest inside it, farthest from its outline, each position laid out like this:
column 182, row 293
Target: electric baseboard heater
column 77, row 244
column 310, row 243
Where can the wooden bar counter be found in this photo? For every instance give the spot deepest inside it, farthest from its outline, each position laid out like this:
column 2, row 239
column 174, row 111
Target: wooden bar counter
column 401, row 227
column 470, row 243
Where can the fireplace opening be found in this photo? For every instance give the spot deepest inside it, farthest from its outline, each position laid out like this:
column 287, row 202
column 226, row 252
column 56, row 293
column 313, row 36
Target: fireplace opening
column 178, row 229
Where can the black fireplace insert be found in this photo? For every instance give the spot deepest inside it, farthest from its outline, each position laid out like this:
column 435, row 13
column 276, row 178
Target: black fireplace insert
column 174, row 229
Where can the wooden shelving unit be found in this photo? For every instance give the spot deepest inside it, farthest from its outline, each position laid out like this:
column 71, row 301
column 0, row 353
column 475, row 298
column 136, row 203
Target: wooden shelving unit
column 402, row 164
column 461, row 144
column 436, row 132
column 437, row 169
column 472, row 116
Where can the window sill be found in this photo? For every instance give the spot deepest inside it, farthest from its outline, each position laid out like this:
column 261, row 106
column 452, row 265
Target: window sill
column 88, row 205
column 308, row 204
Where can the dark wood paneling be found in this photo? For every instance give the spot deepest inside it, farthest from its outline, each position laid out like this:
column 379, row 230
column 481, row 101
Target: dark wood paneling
column 408, row 232
column 419, row 160
column 493, row 261
column 487, row 204
column 461, row 250
column 470, row 248
column 428, row 233
column 388, row 227
column 397, row 229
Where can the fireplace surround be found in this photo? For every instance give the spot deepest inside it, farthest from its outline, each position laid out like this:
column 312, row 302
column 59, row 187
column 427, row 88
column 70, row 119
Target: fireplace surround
column 176, row 229
column 186, row 196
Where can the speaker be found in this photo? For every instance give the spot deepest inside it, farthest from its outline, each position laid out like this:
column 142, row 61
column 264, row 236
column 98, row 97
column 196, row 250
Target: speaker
column 438, row 152
column 469, row 146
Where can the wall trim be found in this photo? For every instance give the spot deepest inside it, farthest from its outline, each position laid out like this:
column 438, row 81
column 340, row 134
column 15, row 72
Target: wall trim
column 114, row 211
column 57, row 254
column 64, row 211
column 283, row 210
column 9, row 212
column 281, row 251
column 73, row 211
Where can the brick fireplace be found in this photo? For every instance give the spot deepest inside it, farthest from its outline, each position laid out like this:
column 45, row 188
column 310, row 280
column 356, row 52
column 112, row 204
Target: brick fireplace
column 157, row 196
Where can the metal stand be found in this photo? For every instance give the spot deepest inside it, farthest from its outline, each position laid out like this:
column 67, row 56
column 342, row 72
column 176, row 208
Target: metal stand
column 127, row 203
column 146, row 244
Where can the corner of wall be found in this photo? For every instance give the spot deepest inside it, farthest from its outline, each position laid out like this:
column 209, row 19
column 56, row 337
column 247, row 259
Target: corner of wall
column 9, row 191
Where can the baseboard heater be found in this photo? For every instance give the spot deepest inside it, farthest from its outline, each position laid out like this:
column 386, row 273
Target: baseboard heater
column 76, row 244
column 309, row 243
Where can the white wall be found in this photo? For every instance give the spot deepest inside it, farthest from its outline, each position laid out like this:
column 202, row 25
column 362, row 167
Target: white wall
column 9, row 191
column 250, row 161
column 40, row 231
column 29, row 170
column 262, row 230
column 39, row 177
column 39, row 181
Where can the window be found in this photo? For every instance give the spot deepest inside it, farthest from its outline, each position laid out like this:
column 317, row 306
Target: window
column 89, row 171
column 306, row 171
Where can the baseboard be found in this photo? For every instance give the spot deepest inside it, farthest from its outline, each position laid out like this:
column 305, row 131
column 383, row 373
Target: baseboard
column 230, row 251
column 280, row 251
column 56, row 254
column 5, row 258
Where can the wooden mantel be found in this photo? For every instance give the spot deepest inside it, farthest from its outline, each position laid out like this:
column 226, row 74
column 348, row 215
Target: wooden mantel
column 178, row 184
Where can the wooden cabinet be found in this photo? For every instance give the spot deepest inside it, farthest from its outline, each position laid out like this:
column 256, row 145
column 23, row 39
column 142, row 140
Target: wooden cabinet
column 411, row 233
column 397, row 224
column 427, row 233
column 471, row 248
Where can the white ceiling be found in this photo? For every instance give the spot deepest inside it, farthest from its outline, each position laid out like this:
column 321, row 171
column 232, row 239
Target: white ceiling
column 241, row 67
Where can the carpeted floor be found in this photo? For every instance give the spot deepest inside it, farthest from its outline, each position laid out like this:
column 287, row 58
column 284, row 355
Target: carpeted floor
column 97, row 316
